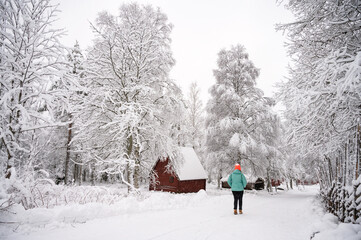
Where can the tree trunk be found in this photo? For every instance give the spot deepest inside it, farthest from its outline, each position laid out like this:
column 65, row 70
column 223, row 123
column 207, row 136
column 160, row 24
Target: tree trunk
column 329, row 169
column 336, row 170
column 92, row 175
column 10, row 158
column 209, row 177
column 78, row 170
column 136, row 168
column 179, row 135
column 269, row 185
column 219, row 178
column 129, row 153
column 80, row 179
column 358, row 147
column 291, row 184
column 326, row 173
column 345, row 167
column 15, row 135
column 84, row 175
column 136, row 175
column 75, row 172
column 67, row 157
column 340, row 171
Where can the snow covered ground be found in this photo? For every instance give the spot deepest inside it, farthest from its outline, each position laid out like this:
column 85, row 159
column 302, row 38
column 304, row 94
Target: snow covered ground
column 294, row 214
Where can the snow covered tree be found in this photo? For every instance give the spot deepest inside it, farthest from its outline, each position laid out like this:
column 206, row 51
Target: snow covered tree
column 31, row 61
column 322, row 92
column 322, row 96
column 130, row 103
column 76, row 60
column 196, row 118
column 240, row 124
column 180, row 130
column 196, row 123
column 60, row 137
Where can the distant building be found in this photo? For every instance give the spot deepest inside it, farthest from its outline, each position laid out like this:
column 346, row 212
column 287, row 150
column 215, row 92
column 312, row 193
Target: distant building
column 190, row 177
column 252, row 183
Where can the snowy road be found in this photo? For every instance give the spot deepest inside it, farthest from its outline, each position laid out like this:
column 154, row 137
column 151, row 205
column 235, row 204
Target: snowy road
column 287, row 215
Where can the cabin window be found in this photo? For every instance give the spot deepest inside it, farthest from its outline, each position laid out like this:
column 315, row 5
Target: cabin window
column 171, row 179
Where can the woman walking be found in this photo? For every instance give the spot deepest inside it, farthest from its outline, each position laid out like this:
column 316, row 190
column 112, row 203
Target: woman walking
column 237, row 182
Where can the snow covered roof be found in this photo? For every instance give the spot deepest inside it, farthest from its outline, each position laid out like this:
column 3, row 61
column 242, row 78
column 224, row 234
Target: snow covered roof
column 191, row 168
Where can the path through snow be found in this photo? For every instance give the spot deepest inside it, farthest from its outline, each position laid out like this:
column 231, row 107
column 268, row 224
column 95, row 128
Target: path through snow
column 286, row 215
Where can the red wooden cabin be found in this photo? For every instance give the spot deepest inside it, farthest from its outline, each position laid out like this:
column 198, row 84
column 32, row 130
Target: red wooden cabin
column 190, row 177
column 307, row 182
column 275, row 183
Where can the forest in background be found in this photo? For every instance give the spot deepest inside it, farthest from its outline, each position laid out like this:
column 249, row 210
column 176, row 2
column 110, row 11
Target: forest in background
column 105, row 114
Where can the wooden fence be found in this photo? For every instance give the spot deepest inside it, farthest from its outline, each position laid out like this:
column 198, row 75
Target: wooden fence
column 344, row 201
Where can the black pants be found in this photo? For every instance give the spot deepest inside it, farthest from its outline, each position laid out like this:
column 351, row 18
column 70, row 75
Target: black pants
column 237, row 195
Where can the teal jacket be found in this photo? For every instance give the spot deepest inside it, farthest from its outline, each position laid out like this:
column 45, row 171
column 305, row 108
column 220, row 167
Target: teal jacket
column 237, row 181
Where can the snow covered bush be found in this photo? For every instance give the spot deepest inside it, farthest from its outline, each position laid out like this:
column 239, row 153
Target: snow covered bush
column 25, row 191
column 44, row 193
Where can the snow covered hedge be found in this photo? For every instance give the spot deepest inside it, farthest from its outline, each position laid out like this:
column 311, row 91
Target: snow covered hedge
column 344, row 201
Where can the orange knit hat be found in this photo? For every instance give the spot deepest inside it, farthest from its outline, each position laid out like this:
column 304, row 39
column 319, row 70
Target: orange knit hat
column 237, row 166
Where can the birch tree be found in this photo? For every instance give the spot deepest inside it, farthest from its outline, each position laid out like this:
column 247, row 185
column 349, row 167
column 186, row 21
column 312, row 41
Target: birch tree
column 196, row 118
column 131, row 102
column 239, row 121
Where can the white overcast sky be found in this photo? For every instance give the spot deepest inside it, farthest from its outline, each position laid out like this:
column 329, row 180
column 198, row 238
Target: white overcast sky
column 201, row 29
